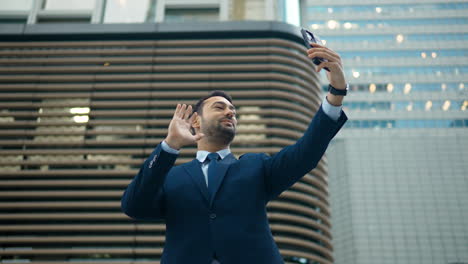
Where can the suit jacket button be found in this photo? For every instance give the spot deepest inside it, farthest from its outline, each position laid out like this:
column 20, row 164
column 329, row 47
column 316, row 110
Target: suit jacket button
column 212, row 216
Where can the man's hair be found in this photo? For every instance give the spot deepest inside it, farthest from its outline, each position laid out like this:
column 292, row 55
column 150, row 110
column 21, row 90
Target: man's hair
column 199, row 105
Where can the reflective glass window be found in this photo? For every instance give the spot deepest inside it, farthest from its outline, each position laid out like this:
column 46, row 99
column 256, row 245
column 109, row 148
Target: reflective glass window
column 401, row 54
column 16, row 5
column 383, row 23
column 135, row 11
column 191, row 14
column 386, row 9
column 69, row 5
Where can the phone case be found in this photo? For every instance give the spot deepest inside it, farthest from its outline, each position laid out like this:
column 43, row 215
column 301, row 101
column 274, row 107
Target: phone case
column 308, row 38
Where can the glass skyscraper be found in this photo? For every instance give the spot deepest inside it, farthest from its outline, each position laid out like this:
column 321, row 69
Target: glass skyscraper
column 398, row 171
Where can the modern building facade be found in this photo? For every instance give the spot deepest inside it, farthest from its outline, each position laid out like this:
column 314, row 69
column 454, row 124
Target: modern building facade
column 398, row 170
column 138, row 11
column 82, row 106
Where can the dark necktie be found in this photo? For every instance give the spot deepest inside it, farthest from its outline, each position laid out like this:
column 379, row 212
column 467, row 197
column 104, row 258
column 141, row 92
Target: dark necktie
column 212, row 172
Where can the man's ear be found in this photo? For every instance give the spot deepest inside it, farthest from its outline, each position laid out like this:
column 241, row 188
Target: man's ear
column 196, row 122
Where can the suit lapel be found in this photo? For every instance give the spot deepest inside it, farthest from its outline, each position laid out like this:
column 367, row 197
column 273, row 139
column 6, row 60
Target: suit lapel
column 222, row 169
column 193, row 168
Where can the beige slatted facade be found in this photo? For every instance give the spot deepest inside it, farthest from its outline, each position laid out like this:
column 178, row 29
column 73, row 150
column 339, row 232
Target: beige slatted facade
column 77, row 119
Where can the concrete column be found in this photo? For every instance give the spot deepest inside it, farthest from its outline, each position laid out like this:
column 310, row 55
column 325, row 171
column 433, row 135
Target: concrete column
column 224, row 10
column 37, row 5
column 269, row 10
column 98, row 12
column 160, row 10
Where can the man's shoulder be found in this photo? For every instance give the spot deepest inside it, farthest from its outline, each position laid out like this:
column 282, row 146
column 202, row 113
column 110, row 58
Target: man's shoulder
column 246, row 156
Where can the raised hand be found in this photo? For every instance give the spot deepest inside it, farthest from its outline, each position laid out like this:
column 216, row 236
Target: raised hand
column 336, row 75
column 179, row 134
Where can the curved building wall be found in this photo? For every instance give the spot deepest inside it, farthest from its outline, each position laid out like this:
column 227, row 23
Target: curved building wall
column 79, row 117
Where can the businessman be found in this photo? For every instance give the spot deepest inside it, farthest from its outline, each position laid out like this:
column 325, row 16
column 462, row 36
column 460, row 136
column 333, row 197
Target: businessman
column 215, row 206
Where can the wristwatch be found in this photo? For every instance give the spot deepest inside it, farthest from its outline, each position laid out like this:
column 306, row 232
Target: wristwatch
column 335, row 91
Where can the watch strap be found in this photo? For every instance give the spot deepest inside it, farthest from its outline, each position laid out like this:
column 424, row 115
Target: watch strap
column 335, row 91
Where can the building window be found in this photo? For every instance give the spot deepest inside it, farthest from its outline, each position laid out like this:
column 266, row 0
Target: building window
column 15, row 11
column 69, row 5
column 191, row 14
column 126, row 11
column 56, row 11
column 16, row 5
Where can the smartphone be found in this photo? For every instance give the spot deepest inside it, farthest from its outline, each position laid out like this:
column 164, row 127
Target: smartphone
column 308, row 38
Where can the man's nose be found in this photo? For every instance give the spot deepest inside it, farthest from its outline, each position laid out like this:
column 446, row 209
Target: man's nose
column 229, row 113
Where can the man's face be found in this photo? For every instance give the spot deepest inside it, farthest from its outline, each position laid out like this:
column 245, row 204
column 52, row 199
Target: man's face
column 218, row 119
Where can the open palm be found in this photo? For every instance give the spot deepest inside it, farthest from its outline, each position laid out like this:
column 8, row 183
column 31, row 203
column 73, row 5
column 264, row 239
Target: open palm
column 179, row 134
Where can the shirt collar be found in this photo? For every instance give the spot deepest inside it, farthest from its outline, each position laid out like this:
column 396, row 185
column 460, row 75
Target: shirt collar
column 202, row 154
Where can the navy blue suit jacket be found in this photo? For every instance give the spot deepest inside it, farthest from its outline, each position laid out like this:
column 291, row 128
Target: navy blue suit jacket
column 233, row 224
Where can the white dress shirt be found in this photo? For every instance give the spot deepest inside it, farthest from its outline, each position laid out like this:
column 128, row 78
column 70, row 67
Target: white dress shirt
column 203, row 154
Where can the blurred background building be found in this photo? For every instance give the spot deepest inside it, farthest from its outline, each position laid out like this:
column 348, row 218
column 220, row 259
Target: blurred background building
column 138, row 11
column 397, row 172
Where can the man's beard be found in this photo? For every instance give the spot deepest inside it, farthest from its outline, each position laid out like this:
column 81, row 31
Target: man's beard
column 220, row 133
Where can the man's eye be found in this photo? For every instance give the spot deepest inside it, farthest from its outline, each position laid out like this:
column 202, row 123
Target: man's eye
column 219, row 107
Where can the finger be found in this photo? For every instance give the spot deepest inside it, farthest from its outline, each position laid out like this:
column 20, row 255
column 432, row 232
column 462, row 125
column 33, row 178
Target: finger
column 192, row 118
column 323, row 49
column 326, row 50
column 316, row 45
column 182, row 111
column 187, row 112
column 330, row 65
column 324, row 55
column 321, row 66
column 176, row 112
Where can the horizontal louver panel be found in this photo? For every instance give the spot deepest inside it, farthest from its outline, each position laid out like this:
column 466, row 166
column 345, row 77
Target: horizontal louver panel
column 78, row 118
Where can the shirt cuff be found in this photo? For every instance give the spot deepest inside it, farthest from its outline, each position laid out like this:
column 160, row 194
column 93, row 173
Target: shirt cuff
column 331, row 111
column 168, row 149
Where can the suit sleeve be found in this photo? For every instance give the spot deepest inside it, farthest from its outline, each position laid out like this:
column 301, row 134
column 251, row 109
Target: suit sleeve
column 290, row 164
column 144, row 197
